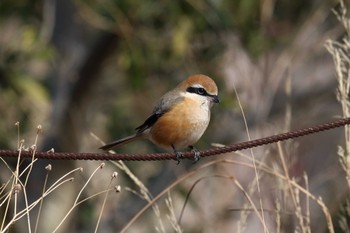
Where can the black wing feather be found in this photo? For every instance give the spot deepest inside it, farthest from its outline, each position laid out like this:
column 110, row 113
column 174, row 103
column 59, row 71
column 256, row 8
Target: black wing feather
column 149, row 122
column 166, row 102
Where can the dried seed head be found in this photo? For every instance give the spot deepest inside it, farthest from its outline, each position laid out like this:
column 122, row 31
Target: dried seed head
column 114, row 174
column 117, row 188
column 48, row 167
column 39, row 128
column 52, row 150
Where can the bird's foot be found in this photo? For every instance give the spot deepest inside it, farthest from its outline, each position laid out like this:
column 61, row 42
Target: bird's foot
column 179, row 155
column 197, row 154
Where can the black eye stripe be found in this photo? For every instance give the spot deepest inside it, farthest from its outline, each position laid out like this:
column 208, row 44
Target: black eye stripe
column 197, row 90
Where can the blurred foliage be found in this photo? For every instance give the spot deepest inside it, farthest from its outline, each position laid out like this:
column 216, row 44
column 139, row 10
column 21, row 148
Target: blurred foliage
column 158, row 42
column 24, row 64
column 45, row 44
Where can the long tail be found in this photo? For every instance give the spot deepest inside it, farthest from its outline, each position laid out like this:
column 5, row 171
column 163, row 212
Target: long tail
column 121, row 142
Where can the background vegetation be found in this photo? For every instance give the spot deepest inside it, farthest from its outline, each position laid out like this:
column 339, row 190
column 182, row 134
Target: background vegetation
column 77, row 67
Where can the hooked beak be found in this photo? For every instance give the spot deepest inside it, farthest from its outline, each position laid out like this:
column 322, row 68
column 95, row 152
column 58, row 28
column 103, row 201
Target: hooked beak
column 216, row 99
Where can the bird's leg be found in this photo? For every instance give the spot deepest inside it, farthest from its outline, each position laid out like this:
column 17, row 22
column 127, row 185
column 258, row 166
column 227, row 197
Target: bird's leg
column 197, row 153
column 178, row 154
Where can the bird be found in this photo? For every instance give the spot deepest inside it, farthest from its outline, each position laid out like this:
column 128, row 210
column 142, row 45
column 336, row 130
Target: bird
column 179, row 118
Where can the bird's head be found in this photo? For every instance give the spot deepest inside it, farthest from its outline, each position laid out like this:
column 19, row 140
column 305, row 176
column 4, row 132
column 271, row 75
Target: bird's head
column 200, row 87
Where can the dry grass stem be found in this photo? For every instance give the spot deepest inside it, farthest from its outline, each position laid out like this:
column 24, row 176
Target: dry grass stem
column 49, row 168
column 114, row 175
column 78, row 197
column 144, row 192
column 171, row 216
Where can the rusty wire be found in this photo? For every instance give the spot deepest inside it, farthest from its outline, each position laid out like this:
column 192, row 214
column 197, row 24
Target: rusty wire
column 168, row 156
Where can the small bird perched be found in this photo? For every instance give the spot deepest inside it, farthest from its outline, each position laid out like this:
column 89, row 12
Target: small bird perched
column 180, row 117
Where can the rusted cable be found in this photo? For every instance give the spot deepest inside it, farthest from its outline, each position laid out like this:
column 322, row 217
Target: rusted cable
column 168, row 156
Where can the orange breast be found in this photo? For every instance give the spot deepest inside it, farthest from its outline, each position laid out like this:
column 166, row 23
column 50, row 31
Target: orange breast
column 182, row 126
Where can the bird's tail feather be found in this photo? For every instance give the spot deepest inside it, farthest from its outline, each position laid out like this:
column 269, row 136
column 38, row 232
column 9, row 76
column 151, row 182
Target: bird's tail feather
column 121, row 142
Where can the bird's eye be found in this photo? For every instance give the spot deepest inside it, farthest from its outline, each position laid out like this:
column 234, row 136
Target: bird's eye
column 197, row 90
column 201, row 91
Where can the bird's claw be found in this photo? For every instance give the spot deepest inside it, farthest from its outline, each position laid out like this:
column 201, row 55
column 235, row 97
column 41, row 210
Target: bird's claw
column 197, row 155
column 179, row 156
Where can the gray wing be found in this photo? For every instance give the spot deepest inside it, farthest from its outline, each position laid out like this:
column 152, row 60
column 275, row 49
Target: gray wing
column 165, row 103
